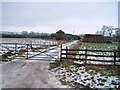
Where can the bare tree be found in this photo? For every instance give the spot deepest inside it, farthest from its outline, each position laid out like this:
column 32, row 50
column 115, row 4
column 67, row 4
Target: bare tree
column 117, row 31
column 107, row 30
column 104, row 30
column 24, row 33
column 110, row 30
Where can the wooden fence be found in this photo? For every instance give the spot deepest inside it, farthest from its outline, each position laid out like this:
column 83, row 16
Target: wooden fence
column 68, row 55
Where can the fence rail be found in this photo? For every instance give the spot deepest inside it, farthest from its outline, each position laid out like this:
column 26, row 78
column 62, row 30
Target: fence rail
column 68, row 55
column 92, row 50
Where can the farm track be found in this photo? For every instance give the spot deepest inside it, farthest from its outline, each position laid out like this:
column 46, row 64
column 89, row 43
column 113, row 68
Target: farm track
column 31, row 73
column 26, row 74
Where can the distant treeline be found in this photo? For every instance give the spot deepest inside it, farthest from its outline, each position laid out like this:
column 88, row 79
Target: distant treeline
column 44, row 36
column 56, row 36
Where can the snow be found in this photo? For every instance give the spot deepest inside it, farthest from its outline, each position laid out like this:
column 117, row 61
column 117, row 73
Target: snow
column 27, row 41
column 21, row 43
column 79, row 75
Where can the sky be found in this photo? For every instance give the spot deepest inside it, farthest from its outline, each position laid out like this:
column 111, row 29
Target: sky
column 49, row 17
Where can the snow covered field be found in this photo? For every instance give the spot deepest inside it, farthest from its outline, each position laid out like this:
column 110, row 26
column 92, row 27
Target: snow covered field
column 9, row 43
column 88, row 76
column 27, row 41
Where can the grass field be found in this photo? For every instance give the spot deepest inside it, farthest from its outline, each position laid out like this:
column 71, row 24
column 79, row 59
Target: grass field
column 100, row 46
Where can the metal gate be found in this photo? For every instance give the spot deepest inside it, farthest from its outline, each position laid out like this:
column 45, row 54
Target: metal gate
column 15, row 51
column 50, row 54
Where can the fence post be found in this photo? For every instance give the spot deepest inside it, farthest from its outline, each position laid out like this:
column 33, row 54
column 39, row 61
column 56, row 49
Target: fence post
column 15, row 48
column 114, row 57
column 27, row 51
column 31, row 44
column 66, row 52
column 85, row 56
column 61, row 53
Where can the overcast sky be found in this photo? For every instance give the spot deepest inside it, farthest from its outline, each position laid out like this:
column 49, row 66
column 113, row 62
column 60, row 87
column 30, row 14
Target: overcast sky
column 49, row 17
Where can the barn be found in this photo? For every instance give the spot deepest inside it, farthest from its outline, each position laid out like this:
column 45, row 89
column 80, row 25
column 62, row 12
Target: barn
column 60, row 35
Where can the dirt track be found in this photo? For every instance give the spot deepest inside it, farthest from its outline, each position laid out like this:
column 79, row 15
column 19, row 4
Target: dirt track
column 29, row 74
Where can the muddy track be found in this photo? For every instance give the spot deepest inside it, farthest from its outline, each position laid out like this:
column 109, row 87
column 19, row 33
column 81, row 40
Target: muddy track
column 29, row 74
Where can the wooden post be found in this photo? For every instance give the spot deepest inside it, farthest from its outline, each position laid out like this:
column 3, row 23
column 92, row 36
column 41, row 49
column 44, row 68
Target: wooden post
column 15, row 48
column 27, row 51
column 61, row 53
column 66, row 52
column 31, row 44
column 114, row 57
column 85, row 56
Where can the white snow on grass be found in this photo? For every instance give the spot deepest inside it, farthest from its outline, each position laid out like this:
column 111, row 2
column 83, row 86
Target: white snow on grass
column 91, row 78
column 27, row 41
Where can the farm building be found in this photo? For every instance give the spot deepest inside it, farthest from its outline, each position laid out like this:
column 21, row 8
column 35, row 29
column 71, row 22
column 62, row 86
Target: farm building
column 93, row 38
column 60, row 35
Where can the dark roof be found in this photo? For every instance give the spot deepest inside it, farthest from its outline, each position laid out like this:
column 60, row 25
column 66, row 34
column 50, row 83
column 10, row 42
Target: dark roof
column 60, row 32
